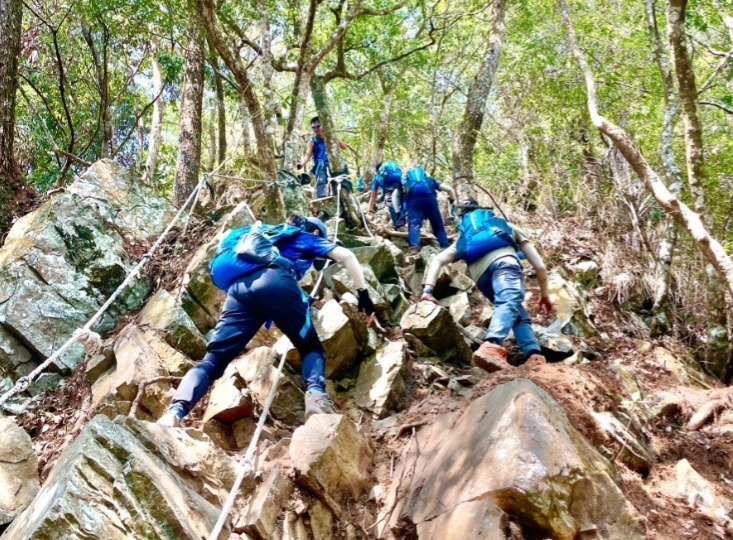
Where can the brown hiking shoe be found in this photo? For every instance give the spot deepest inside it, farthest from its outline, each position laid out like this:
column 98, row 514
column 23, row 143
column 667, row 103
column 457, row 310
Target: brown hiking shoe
column 535, row 360
column 490, row 357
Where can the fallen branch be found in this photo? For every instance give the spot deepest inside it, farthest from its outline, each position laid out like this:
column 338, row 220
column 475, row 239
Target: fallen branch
column 141, row 389
column 705, row 413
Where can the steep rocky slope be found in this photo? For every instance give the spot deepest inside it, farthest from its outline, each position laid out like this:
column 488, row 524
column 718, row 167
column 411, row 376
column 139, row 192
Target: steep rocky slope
column 601, row 442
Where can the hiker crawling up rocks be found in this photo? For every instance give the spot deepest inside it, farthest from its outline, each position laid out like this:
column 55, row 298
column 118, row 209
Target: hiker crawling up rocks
column 489, row 245
column 422, row 203
column 259, row 267
column 389, row 180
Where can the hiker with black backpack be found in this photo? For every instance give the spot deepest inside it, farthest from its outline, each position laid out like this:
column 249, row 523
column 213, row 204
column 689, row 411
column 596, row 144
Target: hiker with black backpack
column 389, row 180
column 421, row 202
column 259, row 266
column 490, row 245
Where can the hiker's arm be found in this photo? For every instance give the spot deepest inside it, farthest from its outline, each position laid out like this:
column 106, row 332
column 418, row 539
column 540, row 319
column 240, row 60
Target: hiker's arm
column 372, row 201
column 449, row 190
column 308, row 151
column 441, row 259
column 539, row 266
column 351, row 263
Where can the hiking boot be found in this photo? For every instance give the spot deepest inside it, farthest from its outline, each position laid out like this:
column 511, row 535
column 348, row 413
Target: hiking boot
column 172, row 418
column 490, row 357
column 318, row 402
column 535, row 360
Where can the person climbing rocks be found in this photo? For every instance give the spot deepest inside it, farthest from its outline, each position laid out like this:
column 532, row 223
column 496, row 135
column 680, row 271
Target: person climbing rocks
column 389, row 180
column 263, row 287
column 316, row 148
column 422, row 203
column 489, row 245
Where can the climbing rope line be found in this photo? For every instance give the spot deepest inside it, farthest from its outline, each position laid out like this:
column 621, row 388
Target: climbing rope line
column 338, row 180
column 246, row 467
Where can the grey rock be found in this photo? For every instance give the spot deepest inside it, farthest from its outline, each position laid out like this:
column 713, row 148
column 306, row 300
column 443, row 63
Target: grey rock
column 381, row 384
column 19, row 480
column 459, row 307
column 434, row 326
column 164, row 312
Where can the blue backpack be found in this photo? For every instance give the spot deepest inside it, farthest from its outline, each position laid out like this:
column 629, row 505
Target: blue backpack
column 416, row 182
column 244, row 250
column 391, row 174
column 482, row 232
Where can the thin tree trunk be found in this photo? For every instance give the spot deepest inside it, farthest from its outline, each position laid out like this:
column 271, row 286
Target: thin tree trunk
column 662, row 310
column 246, row 130
column 101, row 67
column 478, row 93
column 683, row 215
column 382, row 134
column 221, row 144
column 156, row 123
column 189, row 138
column 10, row 28
column 291, row 141
column 717, row 351
column 212, row 139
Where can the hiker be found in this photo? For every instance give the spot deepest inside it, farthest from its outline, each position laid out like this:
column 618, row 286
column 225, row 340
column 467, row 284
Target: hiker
column 316, row 148
column 422, row 203
column 489, row 245
column 268, row 291
column 389, row 179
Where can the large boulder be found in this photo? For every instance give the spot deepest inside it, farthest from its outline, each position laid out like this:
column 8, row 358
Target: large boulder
column 141, row 355
column 434, row 326
column 19, row 481
column 123, row 479
column 381, row 384
column 266, row 505
column 247, row 381
column 62, row 261
column 332, row 458
column 559, row 487
column 164, row 312
column 574, row 315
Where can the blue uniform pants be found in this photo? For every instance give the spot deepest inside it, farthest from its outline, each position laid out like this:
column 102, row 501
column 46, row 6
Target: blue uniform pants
column 320, row 171
column 266, row 294
column 503, row 284
column 420, row 208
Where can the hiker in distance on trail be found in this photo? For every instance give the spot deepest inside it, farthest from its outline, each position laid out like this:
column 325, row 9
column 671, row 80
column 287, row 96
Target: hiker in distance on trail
column 389, row 180
column 259, row 266
column 316, row 148
column 421, row 202
column 489, row 245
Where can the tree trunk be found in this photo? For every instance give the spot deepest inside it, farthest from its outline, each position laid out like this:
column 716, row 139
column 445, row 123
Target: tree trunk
column 101, row 67
column 10, row 28
column 212, row 139
column 156, row 122
column 246, row 131
column 662, row 310
column 382, row 134
column 221, row 144
column 478, row 93
column 292, row 144
column 189, row 138
column 683, row 215
column 717, row 351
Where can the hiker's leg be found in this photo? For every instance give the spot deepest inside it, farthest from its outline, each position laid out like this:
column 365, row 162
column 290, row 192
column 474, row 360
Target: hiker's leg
column 321, row 180
column 415, row 218
column 238, row 323
column 432, row 212
column 289, row 311
column 508, row 287
column 524, row 335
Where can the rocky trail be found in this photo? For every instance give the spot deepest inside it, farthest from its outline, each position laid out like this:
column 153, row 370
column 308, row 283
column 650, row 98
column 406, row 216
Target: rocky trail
column 616, row 437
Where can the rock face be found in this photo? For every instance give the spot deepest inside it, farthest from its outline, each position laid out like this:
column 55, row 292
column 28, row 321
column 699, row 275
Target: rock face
column 573, row 311
column 62, row 261
column 434, row 326
column 332, row 457
column 19, row 481
column 381, row 383
column 127, row 479
column 140, row 355
column 562, row 489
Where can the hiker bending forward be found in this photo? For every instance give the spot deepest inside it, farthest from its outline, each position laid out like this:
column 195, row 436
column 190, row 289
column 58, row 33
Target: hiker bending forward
column 422, row 203
column 270, row 293
column 489, row 244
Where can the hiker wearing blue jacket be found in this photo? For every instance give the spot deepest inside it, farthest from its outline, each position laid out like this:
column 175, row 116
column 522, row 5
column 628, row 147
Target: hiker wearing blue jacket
column 389, row 180
column 489, row 245
column 316, row 148
column 258, row 292
column 422, row 203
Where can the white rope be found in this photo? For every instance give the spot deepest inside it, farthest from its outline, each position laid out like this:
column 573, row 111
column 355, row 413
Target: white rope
column 337, row 179
column 248, row 457
column 86, row 331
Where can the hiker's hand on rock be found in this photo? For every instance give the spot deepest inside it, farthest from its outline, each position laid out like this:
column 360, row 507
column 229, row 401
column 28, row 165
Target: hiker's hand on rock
column 545, row 305
column 426, row 296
